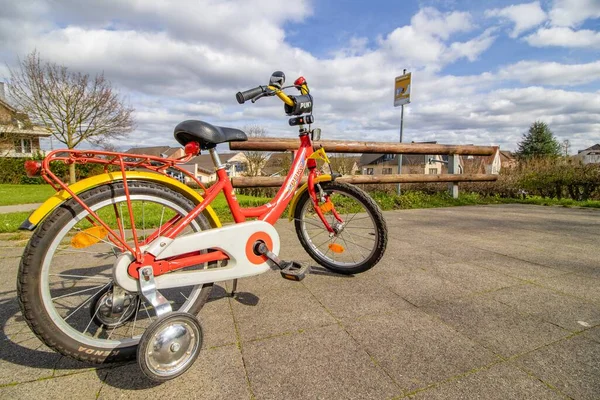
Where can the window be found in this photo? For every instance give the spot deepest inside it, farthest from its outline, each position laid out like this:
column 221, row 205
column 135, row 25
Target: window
column 23, row 146
column 386, row 171
column 388, row 157
column 240, row 167
column 369, row 171
column 432, row 171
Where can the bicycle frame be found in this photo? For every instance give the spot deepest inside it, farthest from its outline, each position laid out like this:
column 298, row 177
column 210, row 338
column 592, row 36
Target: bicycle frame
column 269, row 212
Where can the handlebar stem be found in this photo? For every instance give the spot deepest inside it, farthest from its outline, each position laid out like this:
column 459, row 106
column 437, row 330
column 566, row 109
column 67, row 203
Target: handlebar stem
column 284, row 97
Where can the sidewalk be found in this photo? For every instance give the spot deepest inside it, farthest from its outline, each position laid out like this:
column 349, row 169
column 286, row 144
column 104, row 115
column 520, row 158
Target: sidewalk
column 487, row 302
column 19, row 208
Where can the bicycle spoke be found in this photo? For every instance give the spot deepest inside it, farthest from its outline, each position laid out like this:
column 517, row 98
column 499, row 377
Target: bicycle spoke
column 91, row 320
column 84, row 252
column 362, row 237
column 79, row 291
column 84, row 303
column 137, row 309
column 311, row 223
column 346, row 243
column 117, row 323
column 96, row 277
column 162, row 215
column 357, row 245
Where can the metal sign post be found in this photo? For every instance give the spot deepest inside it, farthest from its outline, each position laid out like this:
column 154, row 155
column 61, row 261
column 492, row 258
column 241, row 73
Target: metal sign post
column 401, row 97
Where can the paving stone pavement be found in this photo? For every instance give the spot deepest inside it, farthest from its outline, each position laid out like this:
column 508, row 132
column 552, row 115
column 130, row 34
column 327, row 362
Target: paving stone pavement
column 488, row 302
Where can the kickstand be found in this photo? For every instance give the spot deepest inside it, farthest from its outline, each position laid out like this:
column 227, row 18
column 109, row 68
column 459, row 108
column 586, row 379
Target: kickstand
column 234, row 288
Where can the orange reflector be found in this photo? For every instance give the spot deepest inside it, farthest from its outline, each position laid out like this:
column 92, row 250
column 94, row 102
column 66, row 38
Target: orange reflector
column 336, row 248
column 325, row 207
column 88, row 237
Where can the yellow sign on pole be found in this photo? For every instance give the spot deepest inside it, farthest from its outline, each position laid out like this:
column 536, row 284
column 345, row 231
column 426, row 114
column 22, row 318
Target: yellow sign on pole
column 402, row 90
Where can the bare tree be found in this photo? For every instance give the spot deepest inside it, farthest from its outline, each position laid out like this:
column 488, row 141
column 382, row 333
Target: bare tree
column 342, row 163
column 73, row 106
column 566, row 146
column 255, row 160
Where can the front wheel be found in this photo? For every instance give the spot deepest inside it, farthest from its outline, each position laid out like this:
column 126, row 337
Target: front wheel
column 361, row 232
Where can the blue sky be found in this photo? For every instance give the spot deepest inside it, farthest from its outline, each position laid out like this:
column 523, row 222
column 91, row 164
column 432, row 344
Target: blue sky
column 483, row 71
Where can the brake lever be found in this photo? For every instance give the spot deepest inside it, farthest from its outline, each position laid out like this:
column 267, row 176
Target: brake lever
column 263, row 94
column 258, row 97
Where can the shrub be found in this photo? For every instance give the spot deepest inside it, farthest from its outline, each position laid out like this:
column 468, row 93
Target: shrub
column 13, row 171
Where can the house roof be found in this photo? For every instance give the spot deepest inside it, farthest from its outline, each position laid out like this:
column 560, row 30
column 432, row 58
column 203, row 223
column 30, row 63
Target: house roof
column 278, row 163
column 377, row 159
column 5, row 104
column 156, row 151
column 204, row 162
column 36, row 131
column 593, row 148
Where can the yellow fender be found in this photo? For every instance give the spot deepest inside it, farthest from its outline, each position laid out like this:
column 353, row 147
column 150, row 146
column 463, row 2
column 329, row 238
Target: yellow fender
column 304, row 188
column 86, row 184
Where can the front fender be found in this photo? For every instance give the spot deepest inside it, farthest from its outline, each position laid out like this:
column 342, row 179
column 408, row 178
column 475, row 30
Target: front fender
column 302, row 189
column 86, row 184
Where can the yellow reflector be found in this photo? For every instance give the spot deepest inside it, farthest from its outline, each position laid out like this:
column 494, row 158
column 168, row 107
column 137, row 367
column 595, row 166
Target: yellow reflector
column 336, row 248
column 88, row 237
column 325, row 207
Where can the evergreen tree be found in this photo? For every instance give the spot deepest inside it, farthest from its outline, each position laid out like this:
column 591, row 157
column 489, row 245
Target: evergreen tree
column 539, row 141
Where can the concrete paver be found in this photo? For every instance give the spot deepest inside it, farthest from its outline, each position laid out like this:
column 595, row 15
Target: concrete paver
column 217, row 374
column 330, row 365
column 499, row 382
column 572, row 366
column 497, row 326
column 417, row 350
column 470, row 302
column 565, row 311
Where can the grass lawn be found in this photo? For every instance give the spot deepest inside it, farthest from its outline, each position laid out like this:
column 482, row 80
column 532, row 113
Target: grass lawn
column 24, row 194
column 17, row 194
column 10, row 222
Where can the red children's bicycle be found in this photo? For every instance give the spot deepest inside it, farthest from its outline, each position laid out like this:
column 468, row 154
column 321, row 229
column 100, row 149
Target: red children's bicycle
column 120, row 263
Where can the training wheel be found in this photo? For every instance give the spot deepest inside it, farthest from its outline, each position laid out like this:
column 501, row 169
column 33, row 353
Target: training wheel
column 169, row 346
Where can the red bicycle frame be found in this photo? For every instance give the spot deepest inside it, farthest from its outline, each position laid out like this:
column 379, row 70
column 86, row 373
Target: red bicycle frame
column 269, row 212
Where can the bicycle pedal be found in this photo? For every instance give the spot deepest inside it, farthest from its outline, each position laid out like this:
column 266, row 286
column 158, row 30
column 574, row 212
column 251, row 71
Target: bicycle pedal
column 294, row 271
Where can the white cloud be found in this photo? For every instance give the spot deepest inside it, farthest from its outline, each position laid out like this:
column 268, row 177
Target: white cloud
column 571, row 13
column 564, row 37
column 551, row 73
column 432, row 22
column 188, row 61
column 472, row 48
column 524, row 16
column 423, row 43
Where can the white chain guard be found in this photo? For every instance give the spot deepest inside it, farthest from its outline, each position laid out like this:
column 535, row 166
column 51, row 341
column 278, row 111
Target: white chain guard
column 231, row 239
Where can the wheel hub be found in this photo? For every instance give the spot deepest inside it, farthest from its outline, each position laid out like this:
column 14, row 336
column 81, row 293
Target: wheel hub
column 337, row 227
column 112, row 309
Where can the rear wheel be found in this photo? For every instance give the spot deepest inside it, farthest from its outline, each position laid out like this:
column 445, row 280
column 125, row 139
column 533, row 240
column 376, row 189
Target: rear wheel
column 360, row 238
column 65, row 281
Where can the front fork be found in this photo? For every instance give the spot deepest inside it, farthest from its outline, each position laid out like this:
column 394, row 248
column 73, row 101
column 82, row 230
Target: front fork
column 327, row 204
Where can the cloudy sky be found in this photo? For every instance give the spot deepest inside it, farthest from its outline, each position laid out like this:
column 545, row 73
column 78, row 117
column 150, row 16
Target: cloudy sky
column 483, row 70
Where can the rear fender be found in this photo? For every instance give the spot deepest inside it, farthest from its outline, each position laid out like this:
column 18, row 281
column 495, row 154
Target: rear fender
column 89, row 183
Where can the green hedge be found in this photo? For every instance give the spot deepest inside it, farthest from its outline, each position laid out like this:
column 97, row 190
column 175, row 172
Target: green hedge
column 13, row 171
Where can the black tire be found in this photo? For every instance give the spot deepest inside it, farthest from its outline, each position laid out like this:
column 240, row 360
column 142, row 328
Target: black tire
column 58, row 335
column 379, row 227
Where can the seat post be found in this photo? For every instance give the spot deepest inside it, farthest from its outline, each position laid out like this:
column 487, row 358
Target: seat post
column 215, row 158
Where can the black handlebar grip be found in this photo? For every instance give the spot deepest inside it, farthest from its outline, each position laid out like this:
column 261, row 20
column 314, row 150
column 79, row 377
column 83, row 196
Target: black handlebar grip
column 242, row 97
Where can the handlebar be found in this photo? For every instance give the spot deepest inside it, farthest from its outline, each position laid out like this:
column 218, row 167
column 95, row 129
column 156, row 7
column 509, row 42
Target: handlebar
column 242, row 97
column 294, row 105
